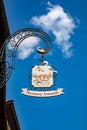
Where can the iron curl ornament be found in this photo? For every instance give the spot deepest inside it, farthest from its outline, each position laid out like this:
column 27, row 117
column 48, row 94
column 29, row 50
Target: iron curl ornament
column 11, row 45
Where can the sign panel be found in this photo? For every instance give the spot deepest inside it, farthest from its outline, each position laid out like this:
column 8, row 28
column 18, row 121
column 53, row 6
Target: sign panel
column 42, row 76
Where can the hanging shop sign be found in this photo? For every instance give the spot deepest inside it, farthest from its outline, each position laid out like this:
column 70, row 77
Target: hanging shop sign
column 42, row 74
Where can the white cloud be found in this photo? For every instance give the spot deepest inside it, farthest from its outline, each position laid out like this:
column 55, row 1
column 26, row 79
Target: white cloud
column 60, row 24
column 26, row 48
column 56, row 21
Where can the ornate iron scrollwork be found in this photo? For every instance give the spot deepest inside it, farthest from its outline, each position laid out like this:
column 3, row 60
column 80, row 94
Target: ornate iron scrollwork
column 10, row 47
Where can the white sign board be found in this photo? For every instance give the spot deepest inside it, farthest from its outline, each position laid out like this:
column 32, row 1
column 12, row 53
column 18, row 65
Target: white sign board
column 42, row 76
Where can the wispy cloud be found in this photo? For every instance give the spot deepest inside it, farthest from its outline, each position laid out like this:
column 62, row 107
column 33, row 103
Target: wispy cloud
column 60, row 24
column 27, row 46
column 56, row 21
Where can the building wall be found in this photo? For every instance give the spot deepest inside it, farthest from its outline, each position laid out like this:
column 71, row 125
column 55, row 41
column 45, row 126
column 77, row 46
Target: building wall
column 11, row 117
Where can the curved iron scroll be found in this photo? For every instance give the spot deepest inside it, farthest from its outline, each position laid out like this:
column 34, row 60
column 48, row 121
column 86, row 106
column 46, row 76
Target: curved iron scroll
column 14, row 41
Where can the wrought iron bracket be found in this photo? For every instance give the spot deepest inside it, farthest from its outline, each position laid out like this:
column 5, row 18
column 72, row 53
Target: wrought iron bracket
column 10, row 47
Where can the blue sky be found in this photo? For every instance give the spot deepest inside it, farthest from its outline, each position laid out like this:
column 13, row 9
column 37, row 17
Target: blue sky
column 66, row 23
